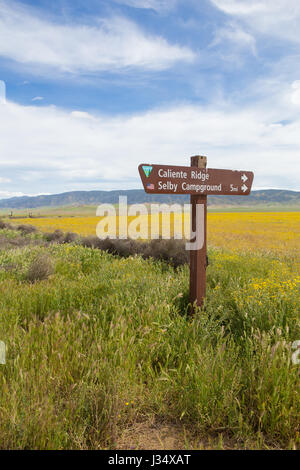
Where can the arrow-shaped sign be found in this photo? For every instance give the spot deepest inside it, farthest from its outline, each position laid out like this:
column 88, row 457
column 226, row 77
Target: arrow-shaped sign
column 167, row 179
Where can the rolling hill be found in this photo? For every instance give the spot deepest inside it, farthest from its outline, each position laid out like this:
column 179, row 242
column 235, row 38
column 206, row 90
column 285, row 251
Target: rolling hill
column 271, row 197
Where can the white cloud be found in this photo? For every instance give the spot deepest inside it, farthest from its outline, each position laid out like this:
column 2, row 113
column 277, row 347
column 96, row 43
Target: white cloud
column 110, row 44
column 38, row 98
column 278, row 18
column 295, row 94
column 54, row 150
column 157, row 5
column 8, row 194
column 81, row 115
column 238, row 38
column 241, row 7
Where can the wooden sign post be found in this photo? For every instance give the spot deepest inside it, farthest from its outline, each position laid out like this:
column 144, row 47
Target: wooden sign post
column 199, row 182
column 198, row 258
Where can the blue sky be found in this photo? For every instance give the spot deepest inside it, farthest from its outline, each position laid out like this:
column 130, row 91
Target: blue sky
column 95, row 87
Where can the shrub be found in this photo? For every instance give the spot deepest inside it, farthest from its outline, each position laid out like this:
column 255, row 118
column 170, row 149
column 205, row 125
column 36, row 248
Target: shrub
column 94, row 242
column 89, row 242
column 6, row 225
column 41, row 268
column 56, row 236
column 106, row 245
column 70, row 237
column 125, row 248
column 26, row 229
column 9, row 226
column 172, row 251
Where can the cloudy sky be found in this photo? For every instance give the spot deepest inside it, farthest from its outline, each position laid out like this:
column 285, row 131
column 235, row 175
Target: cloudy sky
column 95, row 87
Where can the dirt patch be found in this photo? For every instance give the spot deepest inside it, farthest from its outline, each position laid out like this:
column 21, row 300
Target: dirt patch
column 151, row 436
column 156, row 435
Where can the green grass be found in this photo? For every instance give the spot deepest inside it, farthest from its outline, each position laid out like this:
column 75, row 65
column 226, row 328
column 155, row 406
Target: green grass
column 106, row 342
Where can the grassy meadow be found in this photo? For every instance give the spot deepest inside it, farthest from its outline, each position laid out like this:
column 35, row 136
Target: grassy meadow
column 102, row 354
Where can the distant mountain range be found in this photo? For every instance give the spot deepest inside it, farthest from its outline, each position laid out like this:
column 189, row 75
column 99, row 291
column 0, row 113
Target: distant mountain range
column 271, row 197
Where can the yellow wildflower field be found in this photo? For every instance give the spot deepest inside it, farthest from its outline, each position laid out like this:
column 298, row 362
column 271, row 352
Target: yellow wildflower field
column 268, row 231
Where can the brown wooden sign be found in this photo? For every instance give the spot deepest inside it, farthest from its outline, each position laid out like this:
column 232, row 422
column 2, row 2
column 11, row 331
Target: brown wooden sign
column 165, row 179
column 199, row 182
